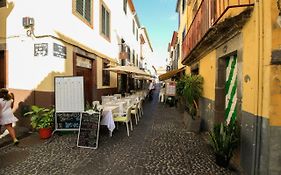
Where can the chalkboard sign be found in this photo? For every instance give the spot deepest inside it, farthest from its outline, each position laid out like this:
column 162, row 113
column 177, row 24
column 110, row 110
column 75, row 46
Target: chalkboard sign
column 88, row 135
column 67, row 120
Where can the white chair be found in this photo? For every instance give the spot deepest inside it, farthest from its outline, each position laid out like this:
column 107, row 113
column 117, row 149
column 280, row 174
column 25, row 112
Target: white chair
column 118, row 96
column 105, row 99
column 135, row 111
column 141, row 107
column 125, row 118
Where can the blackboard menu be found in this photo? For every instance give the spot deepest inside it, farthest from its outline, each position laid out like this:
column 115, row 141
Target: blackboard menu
column 68, row 120
column 88, row 135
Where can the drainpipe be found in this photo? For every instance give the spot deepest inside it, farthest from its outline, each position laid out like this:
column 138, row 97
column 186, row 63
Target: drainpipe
column 258, row 120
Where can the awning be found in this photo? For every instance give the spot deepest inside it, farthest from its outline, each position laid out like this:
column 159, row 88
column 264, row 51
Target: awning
column 143, row 77
column 170, row 74
column 127, row 70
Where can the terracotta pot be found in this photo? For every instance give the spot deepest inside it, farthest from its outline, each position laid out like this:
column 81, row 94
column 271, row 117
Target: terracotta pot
column 45, row 133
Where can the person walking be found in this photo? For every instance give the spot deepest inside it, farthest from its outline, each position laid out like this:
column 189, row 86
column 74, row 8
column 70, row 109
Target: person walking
column 7, row 117
column 150, row 90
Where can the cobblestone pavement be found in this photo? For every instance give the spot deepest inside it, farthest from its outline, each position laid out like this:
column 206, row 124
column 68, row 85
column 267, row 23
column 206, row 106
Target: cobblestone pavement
column 159, row 144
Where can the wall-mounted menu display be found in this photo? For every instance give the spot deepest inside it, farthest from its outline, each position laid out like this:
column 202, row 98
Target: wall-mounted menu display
column 68, row 120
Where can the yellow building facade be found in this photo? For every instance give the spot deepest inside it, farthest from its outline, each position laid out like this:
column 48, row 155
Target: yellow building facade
column 236, row 46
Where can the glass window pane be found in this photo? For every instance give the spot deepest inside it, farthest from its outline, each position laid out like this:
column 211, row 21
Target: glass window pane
column 103, row 20
column 79, row 6
column 88, row 10
column 107, row 24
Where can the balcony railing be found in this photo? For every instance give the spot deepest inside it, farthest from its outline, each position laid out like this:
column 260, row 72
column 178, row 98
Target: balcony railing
column 207, row 15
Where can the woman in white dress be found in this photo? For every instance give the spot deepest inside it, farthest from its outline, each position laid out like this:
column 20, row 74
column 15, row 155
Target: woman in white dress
column 7, row 117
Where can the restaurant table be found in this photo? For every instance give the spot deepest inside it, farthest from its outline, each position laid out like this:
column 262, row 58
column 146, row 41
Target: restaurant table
column 107, row 117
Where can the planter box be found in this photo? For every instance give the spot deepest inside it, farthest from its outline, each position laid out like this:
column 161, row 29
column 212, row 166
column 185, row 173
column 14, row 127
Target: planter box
column 191, row 124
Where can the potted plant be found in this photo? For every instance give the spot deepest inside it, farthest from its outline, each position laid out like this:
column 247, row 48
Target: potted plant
column 224, row 139
column 192, row 91
column 42, row 119
column 179, row 92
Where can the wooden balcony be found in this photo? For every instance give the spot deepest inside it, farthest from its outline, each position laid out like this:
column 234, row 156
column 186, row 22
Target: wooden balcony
column 208, row 15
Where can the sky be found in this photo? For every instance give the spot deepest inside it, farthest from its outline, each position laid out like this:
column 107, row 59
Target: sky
column 161, row 20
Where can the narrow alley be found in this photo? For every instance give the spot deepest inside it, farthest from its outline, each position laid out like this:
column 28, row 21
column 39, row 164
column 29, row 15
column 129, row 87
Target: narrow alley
column 159, row 144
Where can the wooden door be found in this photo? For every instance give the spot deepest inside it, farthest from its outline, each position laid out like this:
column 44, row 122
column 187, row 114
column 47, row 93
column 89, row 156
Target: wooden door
column 88, row 85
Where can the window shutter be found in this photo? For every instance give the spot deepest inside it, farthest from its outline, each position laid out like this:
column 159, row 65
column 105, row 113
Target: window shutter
column 87, row 9
column 79, row 6
column 103, row 20
column 107, row 24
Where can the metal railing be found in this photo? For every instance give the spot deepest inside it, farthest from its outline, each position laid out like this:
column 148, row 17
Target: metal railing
column 207, row 15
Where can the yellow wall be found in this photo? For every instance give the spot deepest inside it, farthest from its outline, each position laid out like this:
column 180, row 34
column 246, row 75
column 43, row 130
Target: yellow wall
column 275, row 70
column 250, row 65
column 207, row 69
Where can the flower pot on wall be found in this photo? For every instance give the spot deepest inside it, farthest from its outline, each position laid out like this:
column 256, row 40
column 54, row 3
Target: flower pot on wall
column 45, row 133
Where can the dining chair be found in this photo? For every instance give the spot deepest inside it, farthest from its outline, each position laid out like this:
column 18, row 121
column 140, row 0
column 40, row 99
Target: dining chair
column 95, row 104
column 135, row 111
column 141, row 107
column 118, row 96
column 124, row 118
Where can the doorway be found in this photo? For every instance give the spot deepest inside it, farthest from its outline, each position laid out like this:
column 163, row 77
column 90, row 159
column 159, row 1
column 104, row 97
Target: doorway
column 87, row 74
column 231, row 89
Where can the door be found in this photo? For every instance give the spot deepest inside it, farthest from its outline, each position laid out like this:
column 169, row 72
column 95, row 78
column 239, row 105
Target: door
column 88, row 87
column 231, row 89
column 2, row 69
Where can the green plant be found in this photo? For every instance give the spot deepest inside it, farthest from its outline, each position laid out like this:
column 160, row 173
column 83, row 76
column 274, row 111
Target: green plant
column 180, row 86
column 41, row 117
column 224, row 139
column 191, row 88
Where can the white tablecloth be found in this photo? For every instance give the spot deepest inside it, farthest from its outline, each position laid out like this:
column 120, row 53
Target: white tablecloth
column 107, row 117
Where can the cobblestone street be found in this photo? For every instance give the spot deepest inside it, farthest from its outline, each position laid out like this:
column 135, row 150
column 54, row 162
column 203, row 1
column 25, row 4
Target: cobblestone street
column 159, row 144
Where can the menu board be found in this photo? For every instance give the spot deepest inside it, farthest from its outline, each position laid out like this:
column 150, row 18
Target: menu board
column 67, row 120
column 170, row 88
column 69, row 94
column 88, row 135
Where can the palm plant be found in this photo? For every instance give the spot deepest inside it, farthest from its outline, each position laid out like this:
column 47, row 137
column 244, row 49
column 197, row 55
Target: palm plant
column 192, row 91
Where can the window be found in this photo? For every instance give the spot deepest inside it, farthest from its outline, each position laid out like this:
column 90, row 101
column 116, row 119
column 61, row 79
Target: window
column 137, row 62
column 2, row 3
column 125, row 2
column 105, row 75
column 183, row 34
column 83, row 9
column 183, row 5
column 129, row 54
column 134, row 26
column 105, row 22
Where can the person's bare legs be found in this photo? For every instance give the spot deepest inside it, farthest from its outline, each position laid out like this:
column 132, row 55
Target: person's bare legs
column 12, row 132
